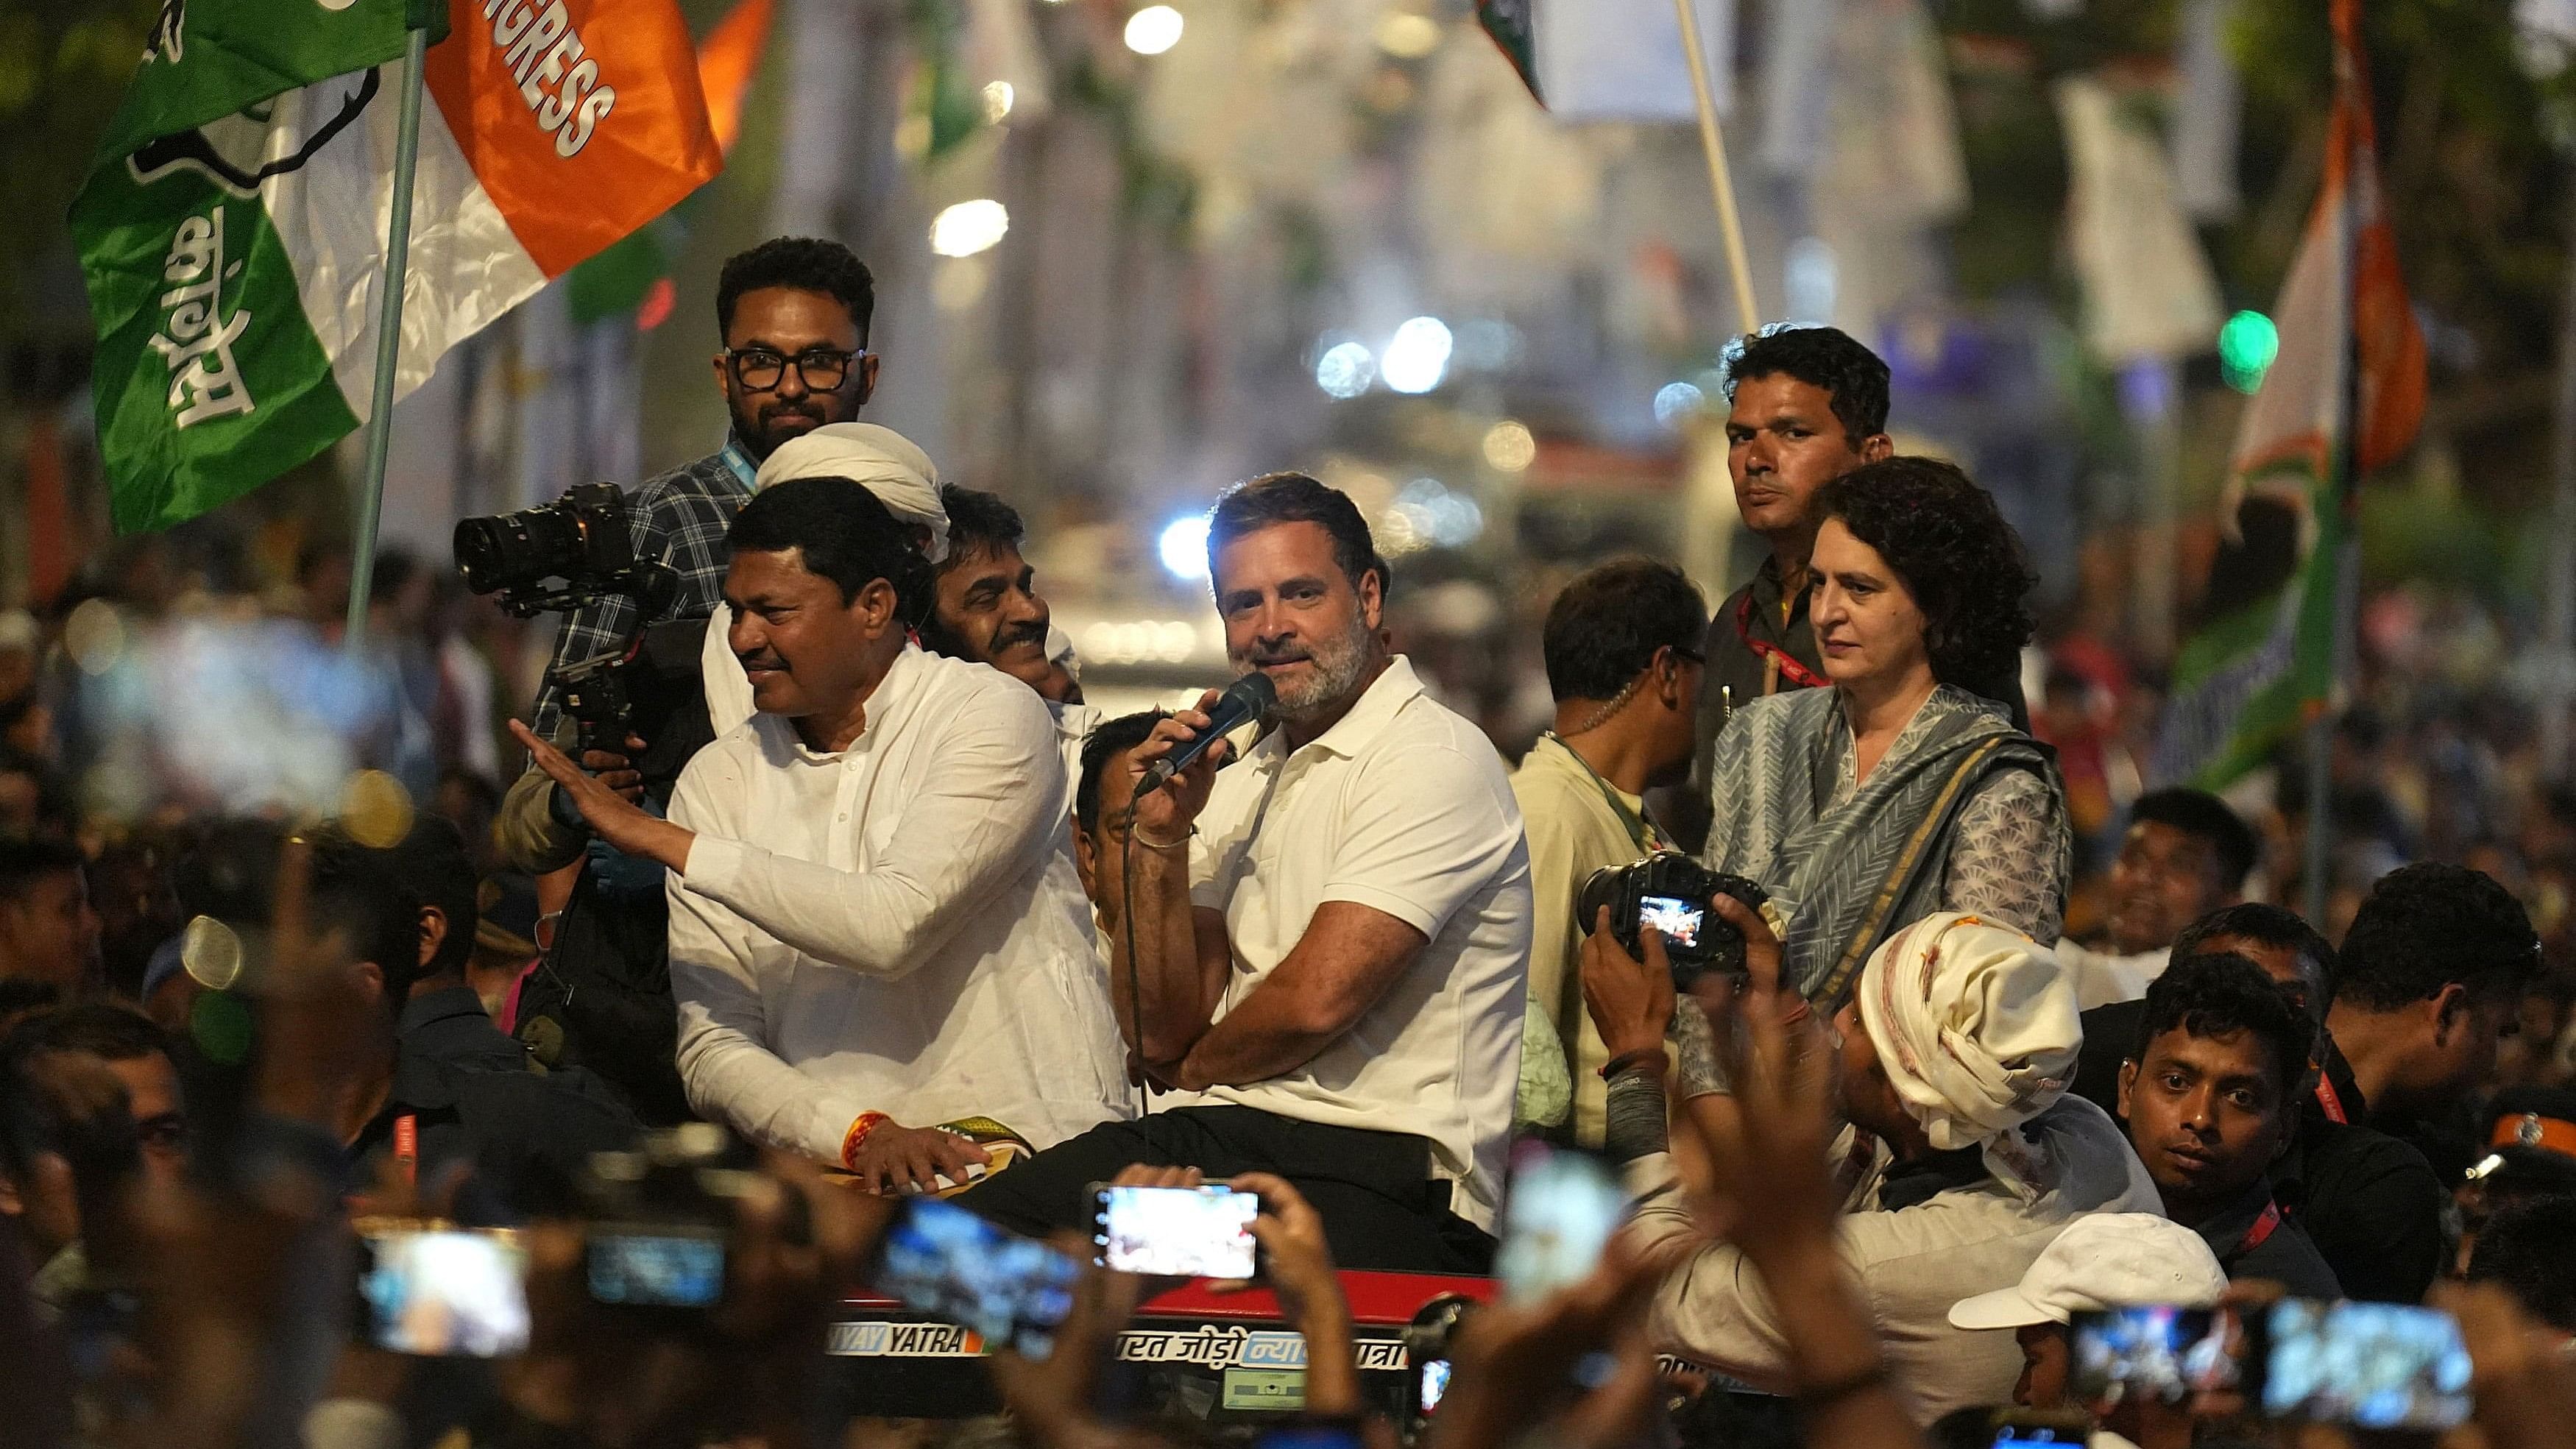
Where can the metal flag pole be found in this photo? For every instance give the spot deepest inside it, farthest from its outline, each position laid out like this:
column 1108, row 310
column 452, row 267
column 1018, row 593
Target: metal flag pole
column 380, row 415
column 1713, row 142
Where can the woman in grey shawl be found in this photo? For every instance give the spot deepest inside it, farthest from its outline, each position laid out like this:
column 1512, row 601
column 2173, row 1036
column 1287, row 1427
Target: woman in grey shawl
column 1904, row 789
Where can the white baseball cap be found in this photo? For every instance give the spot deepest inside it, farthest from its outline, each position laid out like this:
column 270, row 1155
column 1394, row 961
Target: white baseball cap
column 2103, row 1260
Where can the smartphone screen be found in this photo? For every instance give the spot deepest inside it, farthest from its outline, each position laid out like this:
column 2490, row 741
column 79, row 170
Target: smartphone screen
column 942, row 1260
column 2371, row 1365
column 1558, row 1215
column 1176, row 1232
column 656, row 1267
column 1674, row 919
column 443, row 1292
column 2157, row 1352
column 1430, row 1385
column 2024, row 1436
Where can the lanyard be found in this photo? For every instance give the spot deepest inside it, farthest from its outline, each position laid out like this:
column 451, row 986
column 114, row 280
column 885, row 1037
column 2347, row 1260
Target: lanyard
column 2264, row 1227
column 1771, row 653
column 407, row 1148
column 739, row 462
column 2330, row 1100
column 1640, row 830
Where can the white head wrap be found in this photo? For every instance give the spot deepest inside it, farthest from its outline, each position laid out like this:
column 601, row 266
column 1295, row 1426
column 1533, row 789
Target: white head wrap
column 1975, row 1026
column 885, row 462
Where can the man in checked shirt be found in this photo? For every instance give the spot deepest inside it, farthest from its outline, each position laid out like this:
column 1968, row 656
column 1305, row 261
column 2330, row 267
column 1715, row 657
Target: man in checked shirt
column 793, row 315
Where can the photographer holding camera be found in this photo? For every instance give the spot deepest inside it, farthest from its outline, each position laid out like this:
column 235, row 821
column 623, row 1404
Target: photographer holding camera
column 1622, row 647
column 793, row 315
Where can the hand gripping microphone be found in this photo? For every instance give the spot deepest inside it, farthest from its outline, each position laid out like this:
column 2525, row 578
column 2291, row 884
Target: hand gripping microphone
column 1246, row 700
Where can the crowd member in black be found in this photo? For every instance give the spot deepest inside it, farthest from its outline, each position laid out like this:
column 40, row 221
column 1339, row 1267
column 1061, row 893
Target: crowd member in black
column 2288, row 949
column 442, row 1094
column 48, row 933
column 2529, row 1249
column 2210, row 1098
column 792, row 316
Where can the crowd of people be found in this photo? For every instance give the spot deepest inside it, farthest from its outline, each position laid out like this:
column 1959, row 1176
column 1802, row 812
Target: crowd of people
column 885, row 901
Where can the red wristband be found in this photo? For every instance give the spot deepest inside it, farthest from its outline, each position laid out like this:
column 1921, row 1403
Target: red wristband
column 857, row 1136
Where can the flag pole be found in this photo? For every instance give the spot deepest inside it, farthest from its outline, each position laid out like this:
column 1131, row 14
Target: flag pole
column 2345, row 460
column 1713, row 142
column 380, row 415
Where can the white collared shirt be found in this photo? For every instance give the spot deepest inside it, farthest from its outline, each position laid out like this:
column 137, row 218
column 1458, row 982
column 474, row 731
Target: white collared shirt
column 1403, row 807
column 896, row 927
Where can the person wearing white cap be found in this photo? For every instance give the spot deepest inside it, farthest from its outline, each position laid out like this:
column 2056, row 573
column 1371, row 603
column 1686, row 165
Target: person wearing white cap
column 876, row 930
column 1963, row 1154
column 2102, row 1260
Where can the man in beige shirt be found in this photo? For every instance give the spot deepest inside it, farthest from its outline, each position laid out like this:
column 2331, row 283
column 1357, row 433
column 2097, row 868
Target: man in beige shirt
column 1964, row 1156
column 1622, row 649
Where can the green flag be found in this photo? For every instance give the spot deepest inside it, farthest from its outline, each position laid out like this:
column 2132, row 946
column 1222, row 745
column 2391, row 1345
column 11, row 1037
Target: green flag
column 209, row 379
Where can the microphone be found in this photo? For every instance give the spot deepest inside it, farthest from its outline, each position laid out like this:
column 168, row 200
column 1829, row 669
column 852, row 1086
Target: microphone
column 1244, row 701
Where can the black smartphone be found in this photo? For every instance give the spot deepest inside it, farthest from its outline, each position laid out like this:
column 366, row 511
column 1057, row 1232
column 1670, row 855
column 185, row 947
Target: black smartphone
column 444, row 1292
column 2370, row 1365
column 1175, row 1232
column 2155, row 1351
column 940, row 1259
column 654, row 1265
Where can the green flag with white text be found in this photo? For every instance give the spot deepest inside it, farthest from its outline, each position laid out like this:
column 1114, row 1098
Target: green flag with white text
column 209, row 378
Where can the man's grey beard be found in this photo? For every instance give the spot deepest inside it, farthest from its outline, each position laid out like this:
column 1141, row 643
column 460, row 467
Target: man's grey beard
column 1336, row 671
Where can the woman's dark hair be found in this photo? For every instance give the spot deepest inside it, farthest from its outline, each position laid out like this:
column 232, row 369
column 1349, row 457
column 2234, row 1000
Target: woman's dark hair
column 843, row 532
column 1963, row 564
column 1606, row 627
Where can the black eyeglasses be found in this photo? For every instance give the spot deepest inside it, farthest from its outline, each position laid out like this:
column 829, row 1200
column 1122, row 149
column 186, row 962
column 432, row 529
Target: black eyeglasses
column 759, row 369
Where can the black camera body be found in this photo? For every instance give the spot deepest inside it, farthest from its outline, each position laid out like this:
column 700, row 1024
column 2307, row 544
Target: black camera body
column 1670, row 892
column 585, row 538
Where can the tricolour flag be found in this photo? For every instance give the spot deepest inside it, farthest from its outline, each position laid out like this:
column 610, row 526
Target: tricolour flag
column 232, row 229
column 2344, row 397
column 1613, row 60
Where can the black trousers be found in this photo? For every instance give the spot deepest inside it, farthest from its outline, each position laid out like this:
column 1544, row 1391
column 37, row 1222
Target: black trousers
column 1374, row 1190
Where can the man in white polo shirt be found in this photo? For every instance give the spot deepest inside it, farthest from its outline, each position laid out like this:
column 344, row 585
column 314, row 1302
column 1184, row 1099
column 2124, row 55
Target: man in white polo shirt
column 876, row 929
column 1330, row 939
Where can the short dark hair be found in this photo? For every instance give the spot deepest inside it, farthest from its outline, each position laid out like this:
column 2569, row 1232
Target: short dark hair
column 843, row 532
column 2529, row 1250
column 979, row 524
column 1606, row 626
column 1107, row 740
column 2267, row 925
column 1961, row 561
column 100, row 1029
column 1276, row 498
column 2427, row 925
column 2205, row 817
column 1825, row 357
column 807, row 264
column 432, row 861
column 25, row 862
column 2222, row 992
column 356, row 890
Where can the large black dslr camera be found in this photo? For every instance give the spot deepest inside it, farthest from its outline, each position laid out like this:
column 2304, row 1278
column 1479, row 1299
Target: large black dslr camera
column 1670, row 892
column 559, row 556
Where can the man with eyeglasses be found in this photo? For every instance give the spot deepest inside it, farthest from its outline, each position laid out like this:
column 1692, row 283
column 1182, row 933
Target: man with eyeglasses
column 793, row 315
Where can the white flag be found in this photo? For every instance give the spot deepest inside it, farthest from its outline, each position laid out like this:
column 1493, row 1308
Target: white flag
column 1622, row 60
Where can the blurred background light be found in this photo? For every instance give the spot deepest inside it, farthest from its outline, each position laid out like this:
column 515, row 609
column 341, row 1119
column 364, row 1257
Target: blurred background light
column 1345, row 370
column 1407, row 35
column 1183, row 547
column 998, row 99
column 1509, row 447
column 1417, row 357
column 969, row 227
column 1153, row 30
column 2246, row 346
column 1677, row 403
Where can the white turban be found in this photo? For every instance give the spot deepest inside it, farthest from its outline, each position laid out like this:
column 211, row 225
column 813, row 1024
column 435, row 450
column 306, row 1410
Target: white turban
column 1975, row 1026
column 885, row 462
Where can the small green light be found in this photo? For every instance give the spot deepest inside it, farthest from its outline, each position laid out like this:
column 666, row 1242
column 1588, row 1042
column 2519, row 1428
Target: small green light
column 2247, row 344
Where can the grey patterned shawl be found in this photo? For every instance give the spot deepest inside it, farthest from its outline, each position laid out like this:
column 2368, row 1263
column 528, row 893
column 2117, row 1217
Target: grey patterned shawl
column 1850, row 875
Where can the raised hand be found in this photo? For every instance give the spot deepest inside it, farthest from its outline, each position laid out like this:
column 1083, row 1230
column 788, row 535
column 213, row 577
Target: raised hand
column 614, row 816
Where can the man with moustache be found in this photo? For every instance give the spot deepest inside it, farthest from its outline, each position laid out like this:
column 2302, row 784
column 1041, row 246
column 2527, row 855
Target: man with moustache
column 1331, row 937
column 986, row 609
column 792, row 314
